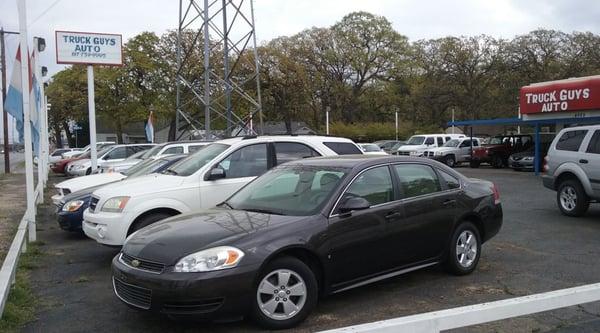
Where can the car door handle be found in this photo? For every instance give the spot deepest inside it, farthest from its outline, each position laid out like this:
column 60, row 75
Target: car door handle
column 582, row 161
column 393, row 215
column 448, row 202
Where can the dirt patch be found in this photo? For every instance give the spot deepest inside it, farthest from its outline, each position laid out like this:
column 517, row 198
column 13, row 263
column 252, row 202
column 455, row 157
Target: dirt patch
column 12, row 208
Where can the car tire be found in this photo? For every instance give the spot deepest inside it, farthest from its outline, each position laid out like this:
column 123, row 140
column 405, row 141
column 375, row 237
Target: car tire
column 497, row 162
column 88, row 171
column 571, row 198
column 467, row 241
column 450, row 161
column 300, row 279
column 474, row 164
column 147, row 220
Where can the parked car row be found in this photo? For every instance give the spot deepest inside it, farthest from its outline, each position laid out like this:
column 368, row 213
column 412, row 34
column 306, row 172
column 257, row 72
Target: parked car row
column 262, row 227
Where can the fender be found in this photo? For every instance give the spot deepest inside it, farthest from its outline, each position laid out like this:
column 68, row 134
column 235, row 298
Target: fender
column 578, row 172
column 155, row 203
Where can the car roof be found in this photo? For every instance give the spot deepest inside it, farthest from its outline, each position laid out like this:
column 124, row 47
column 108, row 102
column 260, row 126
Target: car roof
column 352, row 161
column 268, row 138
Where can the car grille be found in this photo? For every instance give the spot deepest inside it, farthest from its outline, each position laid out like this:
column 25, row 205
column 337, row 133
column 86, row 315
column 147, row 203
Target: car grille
column 428, row 154
column 142, row 264
column 204, row 306
column 405, row 153
column 133, row 295
column 93, row 203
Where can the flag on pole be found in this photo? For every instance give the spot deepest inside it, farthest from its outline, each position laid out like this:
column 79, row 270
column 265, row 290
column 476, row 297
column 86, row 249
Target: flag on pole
column 150, row 128
column 14, row 96
column 35, row 98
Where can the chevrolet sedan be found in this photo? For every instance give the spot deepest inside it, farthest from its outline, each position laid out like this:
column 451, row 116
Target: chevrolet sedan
column 307, row 229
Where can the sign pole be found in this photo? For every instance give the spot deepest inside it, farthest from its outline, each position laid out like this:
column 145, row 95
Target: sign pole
column 92, row 114
column 396, row 125
column 25, row 78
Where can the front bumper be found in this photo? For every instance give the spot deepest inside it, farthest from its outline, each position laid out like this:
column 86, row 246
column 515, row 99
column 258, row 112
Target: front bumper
column 77, row 172
column 520, row 164
column 224, row 294
column 106, row 228
column 70, row 221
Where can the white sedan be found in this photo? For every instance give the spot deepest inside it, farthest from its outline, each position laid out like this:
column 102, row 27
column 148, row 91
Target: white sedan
column 371, row 149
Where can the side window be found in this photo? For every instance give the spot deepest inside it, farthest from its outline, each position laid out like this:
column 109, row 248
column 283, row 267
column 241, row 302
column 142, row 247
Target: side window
column 343, row 148
column 594, row 146
column 440, row 141
column 194, row 148
column 417, row 179
column 249, row 161
column 448, row 138
column 173, row 150
column 374, row 185
column 571, row 140
column 429, row 141
column 289, row 151
column 117, row 153
column 450, row 180
column 132, row 150
column 465, row 143
column 475, row 143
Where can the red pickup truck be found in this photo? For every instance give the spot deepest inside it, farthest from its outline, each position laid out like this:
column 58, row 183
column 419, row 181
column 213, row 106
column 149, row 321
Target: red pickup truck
column 499, row 148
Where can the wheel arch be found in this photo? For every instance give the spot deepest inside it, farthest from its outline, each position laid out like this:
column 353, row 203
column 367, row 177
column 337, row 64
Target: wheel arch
column 160, row 210
column 564, row 172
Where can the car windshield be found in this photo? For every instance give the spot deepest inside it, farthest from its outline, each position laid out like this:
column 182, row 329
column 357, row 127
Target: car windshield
column 137, row 155
column 297, row 190
column 452, row 143
column 398, row 145
column 103, row 152
column 144, row 167
column 496, row 140
column 370, row 147
column 416, row 140
column 197, row 160
column 152, row 151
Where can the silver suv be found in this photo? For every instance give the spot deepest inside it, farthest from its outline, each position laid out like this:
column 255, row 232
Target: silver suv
column 573, row 169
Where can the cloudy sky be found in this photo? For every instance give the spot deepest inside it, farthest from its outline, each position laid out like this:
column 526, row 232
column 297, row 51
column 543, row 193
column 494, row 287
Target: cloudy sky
column 416, row 19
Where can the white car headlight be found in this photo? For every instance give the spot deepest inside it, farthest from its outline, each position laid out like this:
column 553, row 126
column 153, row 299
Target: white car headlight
column 72, row 206
column 115, row 205
column 214, row 259
column 528, row 158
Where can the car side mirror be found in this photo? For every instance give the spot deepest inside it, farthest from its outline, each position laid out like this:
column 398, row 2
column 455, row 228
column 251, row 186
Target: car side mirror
column 356, row 203
column 215, row 173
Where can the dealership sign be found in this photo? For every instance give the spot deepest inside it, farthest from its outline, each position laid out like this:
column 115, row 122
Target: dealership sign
column 88, row 48
column 559, row 96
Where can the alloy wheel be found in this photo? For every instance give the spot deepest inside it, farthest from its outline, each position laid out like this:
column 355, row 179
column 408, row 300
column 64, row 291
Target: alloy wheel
column 568, row 198
column 281, row 294
column 466, row 248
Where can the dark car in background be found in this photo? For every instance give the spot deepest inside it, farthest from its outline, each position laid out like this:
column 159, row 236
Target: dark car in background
column 499, row 148
column 71, row 207
column 525, row 160
column 305, row 229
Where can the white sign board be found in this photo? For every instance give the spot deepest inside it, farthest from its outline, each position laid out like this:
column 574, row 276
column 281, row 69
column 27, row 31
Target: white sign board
column 88, row 48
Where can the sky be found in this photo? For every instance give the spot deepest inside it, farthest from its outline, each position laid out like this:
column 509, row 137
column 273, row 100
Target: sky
column 416, row 19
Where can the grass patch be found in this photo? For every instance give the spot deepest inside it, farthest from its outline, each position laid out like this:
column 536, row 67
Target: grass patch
column 21, row 304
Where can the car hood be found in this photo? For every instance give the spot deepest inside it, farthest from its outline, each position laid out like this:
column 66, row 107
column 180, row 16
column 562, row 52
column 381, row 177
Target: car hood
column 122, row 163
column 174, row 238
column 523, row 154
column 80, row 183
column 141, row 185
column 82, row 194
column 411, row 148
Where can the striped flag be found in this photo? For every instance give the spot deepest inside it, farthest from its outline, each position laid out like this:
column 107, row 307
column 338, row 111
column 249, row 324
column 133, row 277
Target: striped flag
column 150, row 128
column 14, row 96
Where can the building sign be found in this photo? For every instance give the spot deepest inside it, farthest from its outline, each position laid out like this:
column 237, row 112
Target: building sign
column 561, row 96
column 88, row 48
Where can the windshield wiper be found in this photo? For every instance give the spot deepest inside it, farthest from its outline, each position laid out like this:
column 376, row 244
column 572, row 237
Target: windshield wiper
column 264, row 211
column 224, row 203
column 170, row 172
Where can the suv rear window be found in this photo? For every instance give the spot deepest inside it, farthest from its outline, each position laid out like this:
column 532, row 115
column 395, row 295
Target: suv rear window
column 571, row 140
column 343, row 148
column 594, row 146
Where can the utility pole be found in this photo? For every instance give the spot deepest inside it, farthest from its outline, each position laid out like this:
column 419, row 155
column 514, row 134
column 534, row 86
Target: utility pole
column 4, row 112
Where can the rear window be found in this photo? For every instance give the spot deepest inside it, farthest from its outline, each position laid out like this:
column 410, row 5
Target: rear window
column 571, row 140
column 594, row 146
column 343, row 148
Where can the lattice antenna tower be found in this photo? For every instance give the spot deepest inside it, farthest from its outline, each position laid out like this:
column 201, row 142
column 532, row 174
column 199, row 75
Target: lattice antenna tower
column 227, row 91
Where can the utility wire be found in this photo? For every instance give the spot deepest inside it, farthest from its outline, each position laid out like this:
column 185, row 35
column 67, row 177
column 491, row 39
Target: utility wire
column 43, row 13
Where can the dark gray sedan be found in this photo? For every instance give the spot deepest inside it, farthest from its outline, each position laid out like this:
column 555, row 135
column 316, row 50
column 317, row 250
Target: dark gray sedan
column 308, row 228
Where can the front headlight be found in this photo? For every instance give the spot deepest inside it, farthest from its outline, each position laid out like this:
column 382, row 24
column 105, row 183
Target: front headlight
column 72, row 206
column 214, row 259
column 528, row 158
column 115, row 205
column 437, row 153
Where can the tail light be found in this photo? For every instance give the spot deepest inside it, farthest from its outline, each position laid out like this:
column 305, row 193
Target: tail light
column 496, row 194
column 545, row 165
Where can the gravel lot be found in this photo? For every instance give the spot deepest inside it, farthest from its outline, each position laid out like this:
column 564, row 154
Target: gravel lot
column 537, row 250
